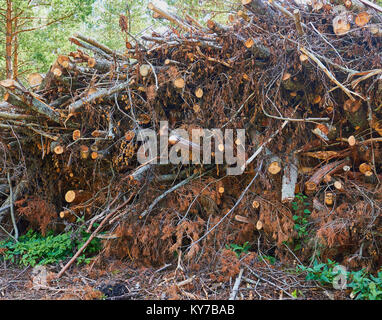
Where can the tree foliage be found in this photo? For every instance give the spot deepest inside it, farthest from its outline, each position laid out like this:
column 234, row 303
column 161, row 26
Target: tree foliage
column 38, row 28
column 46, row 25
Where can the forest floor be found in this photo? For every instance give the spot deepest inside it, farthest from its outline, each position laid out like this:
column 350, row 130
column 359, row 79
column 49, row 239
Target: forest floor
column 117, row 280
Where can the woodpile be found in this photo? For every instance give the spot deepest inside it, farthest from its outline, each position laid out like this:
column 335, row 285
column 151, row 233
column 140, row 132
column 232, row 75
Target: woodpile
column 305, row 82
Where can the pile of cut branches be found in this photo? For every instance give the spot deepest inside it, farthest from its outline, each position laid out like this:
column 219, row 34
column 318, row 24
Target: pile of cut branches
column 304, row 81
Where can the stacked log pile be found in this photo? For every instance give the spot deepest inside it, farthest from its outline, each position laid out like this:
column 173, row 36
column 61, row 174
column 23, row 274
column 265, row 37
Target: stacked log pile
column 305, row 82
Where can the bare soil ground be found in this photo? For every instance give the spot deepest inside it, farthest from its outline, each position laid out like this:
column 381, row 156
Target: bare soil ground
column 116, row 280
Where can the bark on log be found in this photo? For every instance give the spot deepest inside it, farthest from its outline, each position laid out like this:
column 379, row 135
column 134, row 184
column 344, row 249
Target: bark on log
column 100, row 46
column 31, row 101
column 257, row 48
column 15, row 116
column 77, row 196
column 273, row 163
column 289, row 180
column 101, row 65
column 256, row 6
column 4, row 188
column 245, row 219
column 312, row 184
column 139, row 174
column 217, row 28
column 297, row 21
column 79, row 104
column 172, row 18
column 356, row 113
column 71, row 213
column 90, row 47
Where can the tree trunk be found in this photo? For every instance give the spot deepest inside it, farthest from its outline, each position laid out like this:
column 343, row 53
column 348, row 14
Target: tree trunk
column 15, row 65
column 8, row 41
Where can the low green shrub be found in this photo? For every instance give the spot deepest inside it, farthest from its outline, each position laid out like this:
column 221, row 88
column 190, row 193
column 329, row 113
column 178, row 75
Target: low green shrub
column 238, row 249
column 34, row 249
column 364, row 286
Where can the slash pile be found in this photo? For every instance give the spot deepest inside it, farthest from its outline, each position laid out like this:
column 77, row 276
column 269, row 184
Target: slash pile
column 305, row 82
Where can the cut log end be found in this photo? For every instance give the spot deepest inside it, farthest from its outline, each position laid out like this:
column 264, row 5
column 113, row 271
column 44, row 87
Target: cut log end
column 255, row 204
column 91, row 62
column 58, row 149
column 196, row 108
column 57, row 72
column 340, row 25
column 199, row 93
column 364, row 168
column 70, row 196
column 310, row 186
column 150, row 6
column 362, row 19
column 144, row 70
column 63, row 214
column 338, row 185
column 35, row 79
column 179, row 83
column 286, row 76
column 274, row 167
column 352, row 141
column 129, row 135
column 329, row 198
column 249, row 43
column 76, row 134
column 84, row 152
column 77, row 196
column 368, row 173
column 303, row 58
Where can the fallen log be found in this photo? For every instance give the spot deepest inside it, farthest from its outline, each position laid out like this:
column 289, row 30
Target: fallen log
column 77, row 196
column 29, row 100
column 79, row 104
column 312, row 184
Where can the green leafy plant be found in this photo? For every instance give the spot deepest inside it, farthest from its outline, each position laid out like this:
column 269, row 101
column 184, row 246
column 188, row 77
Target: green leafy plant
column 322, row 272
column 301, row 215
column 33, row 248
column 239, row 249
column 297, row 293
column 300, row 218
column 270, row 259
column 364, row 286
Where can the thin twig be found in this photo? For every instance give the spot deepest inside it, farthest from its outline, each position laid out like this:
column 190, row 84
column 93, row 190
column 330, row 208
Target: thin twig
column 231, row 210
column 235, row 289
column 92, row 236
column 330, row 75
column 164, row 194
column 267, row 281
